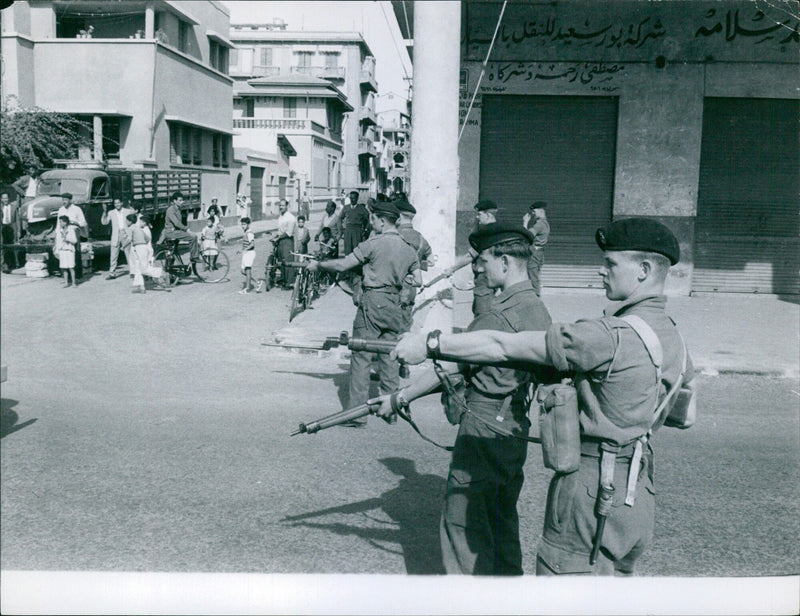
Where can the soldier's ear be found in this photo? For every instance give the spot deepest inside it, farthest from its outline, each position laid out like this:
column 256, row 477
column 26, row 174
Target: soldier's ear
column 646, row 269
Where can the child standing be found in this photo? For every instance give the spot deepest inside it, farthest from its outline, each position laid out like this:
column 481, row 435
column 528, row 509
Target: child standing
column 66, row 239
column 142, row 255
column 209, row 240
column 301, row 236
column 248, row 256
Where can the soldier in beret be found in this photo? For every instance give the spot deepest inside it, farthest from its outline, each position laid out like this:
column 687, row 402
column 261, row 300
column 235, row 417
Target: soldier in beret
column 423, row 249
column 535, row 221
column 386, row 260
column 479, row 526
column 617, row 386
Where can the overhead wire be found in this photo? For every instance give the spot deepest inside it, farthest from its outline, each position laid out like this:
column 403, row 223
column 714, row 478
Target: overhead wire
column 483, row 69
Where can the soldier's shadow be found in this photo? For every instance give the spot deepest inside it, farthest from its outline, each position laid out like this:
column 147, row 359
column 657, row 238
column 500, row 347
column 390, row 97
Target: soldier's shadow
column 413, row 508
column 9, row 418
column 341, row 380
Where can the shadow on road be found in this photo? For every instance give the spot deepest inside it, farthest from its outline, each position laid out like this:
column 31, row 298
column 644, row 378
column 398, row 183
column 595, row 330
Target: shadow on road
column 9, row 418
column 341, row 381
column 413, row 507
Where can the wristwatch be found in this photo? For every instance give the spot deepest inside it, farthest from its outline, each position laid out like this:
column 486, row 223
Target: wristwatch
column 432, row 342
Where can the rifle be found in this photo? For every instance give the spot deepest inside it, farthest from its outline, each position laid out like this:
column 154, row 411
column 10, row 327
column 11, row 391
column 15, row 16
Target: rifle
column 383, row 347
column 333, row 420
column 365, row 409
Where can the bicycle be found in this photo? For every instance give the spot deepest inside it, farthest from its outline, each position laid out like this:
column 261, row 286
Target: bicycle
column 210, row 268
column 274, row 268
column 306, row 287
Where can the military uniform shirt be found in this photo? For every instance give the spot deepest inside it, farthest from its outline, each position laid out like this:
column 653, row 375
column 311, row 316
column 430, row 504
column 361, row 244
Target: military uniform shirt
column 417, row 242
column 387, row 260
column 541, row 232
column 515, row 309
column 611, row 359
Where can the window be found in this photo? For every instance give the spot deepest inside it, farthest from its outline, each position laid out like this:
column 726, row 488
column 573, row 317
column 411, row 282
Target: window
column 197, row 149
column 218, row 56
column 111, row 137
column 220, row 150
column 186, row 145
column 304, row 58
column 100, row 188
column 266, row 56
column 289, row 107
column 249, row 108
column 233, row 55
column 174, row 143
column 183, row 36
column 331, row 60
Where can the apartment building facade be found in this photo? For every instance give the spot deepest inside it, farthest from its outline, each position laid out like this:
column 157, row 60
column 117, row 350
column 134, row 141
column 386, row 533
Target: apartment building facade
column 151, row 76
column 295, row 122
column 341, row 58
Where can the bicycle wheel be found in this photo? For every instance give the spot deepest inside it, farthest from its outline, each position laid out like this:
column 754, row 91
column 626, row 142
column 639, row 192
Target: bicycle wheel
column 298, row 296
column 165, row 260
column 212, row 270
column 269, row 276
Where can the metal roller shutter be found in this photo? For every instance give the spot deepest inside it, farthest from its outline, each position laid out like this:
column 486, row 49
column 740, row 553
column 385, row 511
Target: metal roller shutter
column 560, row 149
column 748, row 203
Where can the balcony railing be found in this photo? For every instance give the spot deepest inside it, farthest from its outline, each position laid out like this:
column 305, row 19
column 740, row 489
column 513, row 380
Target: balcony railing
column 366, row 76
column 366, row 147
column 281, row 124
column 323, row 72
column 266, row 71
column 367, row 115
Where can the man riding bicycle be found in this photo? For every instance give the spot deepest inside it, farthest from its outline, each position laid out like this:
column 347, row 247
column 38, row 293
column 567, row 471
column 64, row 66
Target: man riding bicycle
column 174, row 229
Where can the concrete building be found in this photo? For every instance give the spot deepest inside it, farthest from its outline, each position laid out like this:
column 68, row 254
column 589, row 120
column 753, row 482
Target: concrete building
column 394, row 125
column 293, row 115
column 151, row 75
column 343, row 59
column 686, row 112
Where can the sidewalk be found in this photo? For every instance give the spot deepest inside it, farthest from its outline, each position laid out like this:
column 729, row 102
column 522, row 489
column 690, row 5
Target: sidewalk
column 726, row 333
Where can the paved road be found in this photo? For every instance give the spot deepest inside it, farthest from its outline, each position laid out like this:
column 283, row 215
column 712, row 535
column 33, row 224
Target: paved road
column 150, row 433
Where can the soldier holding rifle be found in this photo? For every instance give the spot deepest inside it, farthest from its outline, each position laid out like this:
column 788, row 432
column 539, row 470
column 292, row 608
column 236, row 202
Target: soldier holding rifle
column 386, row 260
column 479, row 526
column 619, row 383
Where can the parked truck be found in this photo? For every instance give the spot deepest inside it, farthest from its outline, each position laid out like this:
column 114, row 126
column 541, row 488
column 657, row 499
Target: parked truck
column 93, row 187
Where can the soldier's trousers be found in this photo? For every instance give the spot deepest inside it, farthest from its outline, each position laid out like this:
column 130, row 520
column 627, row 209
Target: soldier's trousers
column 479, row 529
column 570, row 521
column 535, row 270
column 379, row 317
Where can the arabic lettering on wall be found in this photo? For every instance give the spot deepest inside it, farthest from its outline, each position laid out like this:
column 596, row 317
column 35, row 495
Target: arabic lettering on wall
column 580, row 72
column 608, row 35
column 755, row 26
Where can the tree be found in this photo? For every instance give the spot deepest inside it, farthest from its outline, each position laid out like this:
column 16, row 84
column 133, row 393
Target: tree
column 35, row 137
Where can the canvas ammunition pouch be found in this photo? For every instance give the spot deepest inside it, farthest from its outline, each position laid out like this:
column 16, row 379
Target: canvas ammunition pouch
column 559, row 426
column 454, row 389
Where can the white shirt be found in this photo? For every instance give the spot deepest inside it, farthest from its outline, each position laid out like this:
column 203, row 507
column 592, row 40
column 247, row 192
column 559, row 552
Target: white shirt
column 7, row 214
column 75, row 215
column 122, row 219
column 286, row 224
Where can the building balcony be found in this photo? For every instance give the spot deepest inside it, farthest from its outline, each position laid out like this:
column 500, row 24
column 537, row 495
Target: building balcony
column 366, row 147
column 323, row 72
column 366, row 76
column 290, row 126
column 367, row 116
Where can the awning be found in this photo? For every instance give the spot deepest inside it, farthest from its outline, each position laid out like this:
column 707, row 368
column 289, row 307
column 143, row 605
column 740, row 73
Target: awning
column 216, row 129
column 94, row 112
column 222, row 40
column 284, row 143
column 180, row 11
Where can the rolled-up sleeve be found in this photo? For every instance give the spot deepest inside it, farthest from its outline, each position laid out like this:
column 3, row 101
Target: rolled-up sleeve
column 583, row 346
column 363, row 252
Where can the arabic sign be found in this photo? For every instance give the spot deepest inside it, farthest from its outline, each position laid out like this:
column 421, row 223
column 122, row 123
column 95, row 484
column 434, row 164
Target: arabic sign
column 636, row 30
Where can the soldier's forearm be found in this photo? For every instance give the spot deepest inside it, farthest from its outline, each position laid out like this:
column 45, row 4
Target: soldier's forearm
column 494, row 347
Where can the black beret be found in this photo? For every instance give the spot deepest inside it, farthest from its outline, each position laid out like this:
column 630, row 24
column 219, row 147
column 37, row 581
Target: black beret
column 643, row 234
column 404, row 206
column 484, row 205
column 386, row 207
column 497, row 233
column 538, row 204
column 66, row 195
